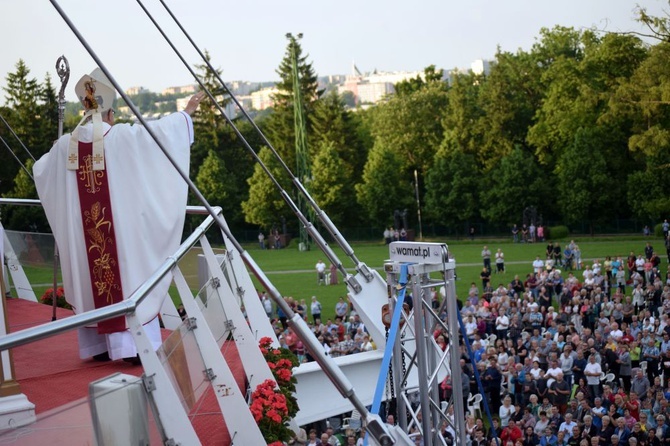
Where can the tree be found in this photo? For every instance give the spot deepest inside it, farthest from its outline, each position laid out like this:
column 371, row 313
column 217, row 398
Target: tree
column 280, row 130
column 331, row 186
column 515, row 183
column 24, row 218
column 22, row 112
column 578, row 91
column 411, row 126
column 462, row 119
column 452, row 189
column 334, row 131
column 509, row 97
column 384, row 188
column 265, row 207
column 32, row 112
column 331, row 122
column 281, row 124
column 217, row 185
column 409, row 86
column 48, row 122
column 646, row 190
column 586, row 190
column 659, row 27
column 208, row 123
column 216, row 141
column 642, row 101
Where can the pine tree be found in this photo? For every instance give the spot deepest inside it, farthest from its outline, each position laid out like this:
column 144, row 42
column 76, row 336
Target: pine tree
column 262, row 207
column 32, row 112
column 334, row 130
column 281, row 130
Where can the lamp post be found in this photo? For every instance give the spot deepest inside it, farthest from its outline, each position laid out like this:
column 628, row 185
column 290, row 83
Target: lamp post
column 418, row 202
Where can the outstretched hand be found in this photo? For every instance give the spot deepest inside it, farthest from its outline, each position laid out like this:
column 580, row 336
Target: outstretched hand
column 194, row 102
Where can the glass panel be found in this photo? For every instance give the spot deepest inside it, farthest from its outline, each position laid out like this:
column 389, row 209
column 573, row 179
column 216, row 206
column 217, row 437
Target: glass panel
column 212, row 309
column 183, row 362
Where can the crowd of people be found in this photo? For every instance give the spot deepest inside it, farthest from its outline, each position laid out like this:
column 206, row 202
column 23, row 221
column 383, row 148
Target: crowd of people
column 577, row 353
column 340, row 335
column 343, row 334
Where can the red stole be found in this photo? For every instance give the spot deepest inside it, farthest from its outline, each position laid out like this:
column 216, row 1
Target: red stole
column 96, row 217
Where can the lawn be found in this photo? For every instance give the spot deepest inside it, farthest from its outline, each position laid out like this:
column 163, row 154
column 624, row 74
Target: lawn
column 469, row 263
column 293, row 272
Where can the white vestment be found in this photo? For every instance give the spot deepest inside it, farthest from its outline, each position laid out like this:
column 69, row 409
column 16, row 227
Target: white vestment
column 148, row 199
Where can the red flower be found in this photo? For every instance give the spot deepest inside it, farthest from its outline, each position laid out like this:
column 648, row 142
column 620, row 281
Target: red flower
column 273, row 402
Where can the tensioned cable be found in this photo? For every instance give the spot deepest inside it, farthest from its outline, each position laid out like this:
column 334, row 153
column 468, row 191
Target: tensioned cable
column 321, row 215
column 307, row 224
column 17, row 137
column 17, row 158
column 337, row 377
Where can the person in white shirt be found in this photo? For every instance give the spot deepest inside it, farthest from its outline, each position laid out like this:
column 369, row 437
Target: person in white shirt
column 500, row 262
column 321, row 272
column 535, row 370
column 502, row 324
column 596, row 267
column 616, row 333
column 567, row 426
column 538, row 265
column 506, row 411
column 471, row 327
column 553, row 372
column 592, row 372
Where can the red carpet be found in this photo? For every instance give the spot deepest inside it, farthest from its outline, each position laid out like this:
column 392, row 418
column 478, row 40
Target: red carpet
column 51, row 374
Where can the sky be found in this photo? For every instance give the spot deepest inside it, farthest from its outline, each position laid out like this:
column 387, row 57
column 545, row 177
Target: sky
column 246, row 39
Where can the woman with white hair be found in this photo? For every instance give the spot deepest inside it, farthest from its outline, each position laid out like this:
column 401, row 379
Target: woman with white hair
column 506, row 411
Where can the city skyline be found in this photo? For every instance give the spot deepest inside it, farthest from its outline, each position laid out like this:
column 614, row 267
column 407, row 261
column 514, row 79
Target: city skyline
column 247, row 39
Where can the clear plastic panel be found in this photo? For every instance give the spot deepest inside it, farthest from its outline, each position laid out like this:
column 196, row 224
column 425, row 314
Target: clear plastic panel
column 210, row 304
column 183, row 362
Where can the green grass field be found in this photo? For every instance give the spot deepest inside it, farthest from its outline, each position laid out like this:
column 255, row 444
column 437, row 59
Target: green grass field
column 293, row 272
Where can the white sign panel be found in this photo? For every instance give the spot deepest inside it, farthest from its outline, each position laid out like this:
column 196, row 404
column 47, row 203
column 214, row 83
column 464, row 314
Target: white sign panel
column 418, row 252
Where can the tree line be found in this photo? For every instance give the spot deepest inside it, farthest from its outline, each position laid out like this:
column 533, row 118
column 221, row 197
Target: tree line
column 576, row 127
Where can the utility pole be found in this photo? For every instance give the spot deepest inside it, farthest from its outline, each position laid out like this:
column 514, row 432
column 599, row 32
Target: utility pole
column 303, row 171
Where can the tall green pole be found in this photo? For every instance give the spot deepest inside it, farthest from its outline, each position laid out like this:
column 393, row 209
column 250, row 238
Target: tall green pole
column 303, row 171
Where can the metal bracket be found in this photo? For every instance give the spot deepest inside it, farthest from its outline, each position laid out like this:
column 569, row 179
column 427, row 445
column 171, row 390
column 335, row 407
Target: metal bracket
column 191, row 323
column 353, row 283
column 209, row 374
column 215, row 282
column 365, row 271
column 170, row 442
column 229, row 325
column 149, row 383
column 229, row 255
column 240, row 291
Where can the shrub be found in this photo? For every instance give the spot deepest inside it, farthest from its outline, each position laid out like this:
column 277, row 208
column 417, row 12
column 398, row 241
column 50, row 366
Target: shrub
column 556, row 232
